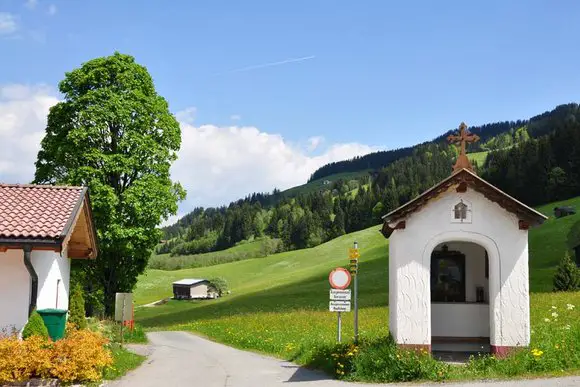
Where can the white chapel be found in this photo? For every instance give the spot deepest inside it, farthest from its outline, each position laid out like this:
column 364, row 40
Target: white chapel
column 458, row 263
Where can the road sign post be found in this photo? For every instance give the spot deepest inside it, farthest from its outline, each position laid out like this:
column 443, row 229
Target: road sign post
column 340, row 296
column 339, row 329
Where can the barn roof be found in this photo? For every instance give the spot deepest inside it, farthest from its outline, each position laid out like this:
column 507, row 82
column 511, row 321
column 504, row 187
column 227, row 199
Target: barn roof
column 189, row 281
column 52, row 216
column 462, row 179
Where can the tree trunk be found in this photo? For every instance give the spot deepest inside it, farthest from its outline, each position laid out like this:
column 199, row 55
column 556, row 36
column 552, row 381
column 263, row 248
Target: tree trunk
column 109, row 299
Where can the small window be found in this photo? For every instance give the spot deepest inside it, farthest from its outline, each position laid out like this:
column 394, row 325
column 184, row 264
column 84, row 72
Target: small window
column 460, row 211
column 447, row 276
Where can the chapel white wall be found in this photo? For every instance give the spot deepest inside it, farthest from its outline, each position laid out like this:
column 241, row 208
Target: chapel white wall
column 410, row 253
column 460, row 320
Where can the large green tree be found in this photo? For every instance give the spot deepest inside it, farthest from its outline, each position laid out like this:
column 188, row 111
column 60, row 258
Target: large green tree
column 114, row 134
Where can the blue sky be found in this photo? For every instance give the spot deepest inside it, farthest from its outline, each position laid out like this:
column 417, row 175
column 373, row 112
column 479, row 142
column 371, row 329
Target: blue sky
column 382, row 74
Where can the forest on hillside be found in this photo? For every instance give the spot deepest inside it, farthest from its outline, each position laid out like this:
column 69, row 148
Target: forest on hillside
column 536, row 161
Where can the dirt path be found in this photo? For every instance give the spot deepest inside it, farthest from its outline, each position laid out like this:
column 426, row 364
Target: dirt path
column 182, row 359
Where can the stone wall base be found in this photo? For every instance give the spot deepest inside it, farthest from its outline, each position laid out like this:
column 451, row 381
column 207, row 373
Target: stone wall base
column 502, row 351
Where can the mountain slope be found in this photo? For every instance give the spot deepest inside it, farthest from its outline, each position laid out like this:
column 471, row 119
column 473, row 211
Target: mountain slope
column 310, row 267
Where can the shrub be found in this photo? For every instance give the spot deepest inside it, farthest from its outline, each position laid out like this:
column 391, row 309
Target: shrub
column 382, row 361
column 81, row 356
column 218, row 285
column 22, row 360
column 35, row 327
column 77, row 315
column 567, row 275
column 378, row 360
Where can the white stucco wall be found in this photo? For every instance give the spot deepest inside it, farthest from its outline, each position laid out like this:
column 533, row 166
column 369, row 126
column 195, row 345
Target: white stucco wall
column 15, row 284
column 53, row 279
column 460, row 320
column 14, row 290
column 494, row 229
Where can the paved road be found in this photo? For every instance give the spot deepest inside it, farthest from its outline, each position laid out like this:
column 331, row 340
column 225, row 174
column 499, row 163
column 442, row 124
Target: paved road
column 182, row 359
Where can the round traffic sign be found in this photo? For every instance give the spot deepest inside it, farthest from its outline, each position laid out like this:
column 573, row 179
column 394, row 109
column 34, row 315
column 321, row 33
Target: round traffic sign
column 339, row 278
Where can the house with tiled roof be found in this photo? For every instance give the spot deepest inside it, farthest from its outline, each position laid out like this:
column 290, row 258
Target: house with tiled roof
column 41, row 229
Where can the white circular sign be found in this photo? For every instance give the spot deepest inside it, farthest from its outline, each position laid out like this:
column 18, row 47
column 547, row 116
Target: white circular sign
column 339, row 278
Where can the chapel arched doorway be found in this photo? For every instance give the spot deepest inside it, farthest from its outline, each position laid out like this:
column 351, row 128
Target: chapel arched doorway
column 460, row 291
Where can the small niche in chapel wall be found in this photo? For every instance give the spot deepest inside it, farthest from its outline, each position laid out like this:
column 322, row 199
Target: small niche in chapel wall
column 461, row 212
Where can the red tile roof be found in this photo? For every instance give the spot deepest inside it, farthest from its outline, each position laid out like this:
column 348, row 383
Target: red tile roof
column 37, row 211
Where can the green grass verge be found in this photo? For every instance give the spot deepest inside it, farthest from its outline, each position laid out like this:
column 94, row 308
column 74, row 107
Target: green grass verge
column 123, row 362
column 112, row 331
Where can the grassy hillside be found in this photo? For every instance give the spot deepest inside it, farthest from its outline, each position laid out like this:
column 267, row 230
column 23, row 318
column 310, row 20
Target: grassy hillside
column 318, row 185
column 266, row 273
column 547, row 245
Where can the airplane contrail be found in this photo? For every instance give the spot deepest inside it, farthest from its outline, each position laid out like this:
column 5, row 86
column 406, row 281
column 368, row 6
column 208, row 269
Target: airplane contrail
column 271, row 64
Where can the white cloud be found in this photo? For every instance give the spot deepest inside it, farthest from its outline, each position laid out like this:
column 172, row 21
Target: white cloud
column 23, row 111
column 8, row 23
column 235, row 117
column 314, row 142
column 219, row 164
column 52, row 9
column 216, row 164
column 186, row 115
column 31, row 4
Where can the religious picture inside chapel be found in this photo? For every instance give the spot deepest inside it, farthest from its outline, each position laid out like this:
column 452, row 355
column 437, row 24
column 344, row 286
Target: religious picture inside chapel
column 447, row 276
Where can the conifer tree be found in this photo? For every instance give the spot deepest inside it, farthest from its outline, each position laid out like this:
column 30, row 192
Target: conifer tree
column 35, row 327
column 77, row 308
column 567, row 277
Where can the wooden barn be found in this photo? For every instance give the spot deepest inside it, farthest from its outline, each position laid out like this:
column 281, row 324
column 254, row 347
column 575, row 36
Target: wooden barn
column 191, row 288
column 560, row 212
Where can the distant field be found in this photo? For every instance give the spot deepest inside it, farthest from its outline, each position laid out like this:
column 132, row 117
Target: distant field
column 254, row 249
column 548, row 244
column 318, row 185
column 478, row 157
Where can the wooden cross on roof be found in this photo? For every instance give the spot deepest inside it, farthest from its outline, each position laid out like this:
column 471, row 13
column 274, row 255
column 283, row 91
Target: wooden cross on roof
column 463, row 138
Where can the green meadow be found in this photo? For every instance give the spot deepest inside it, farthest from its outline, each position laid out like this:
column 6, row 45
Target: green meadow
column 279, row 304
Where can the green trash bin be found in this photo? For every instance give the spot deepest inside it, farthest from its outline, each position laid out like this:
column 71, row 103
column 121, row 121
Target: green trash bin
column 55, row 321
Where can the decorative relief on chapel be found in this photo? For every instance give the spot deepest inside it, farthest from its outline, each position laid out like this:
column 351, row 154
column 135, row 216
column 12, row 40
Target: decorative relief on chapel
column 461, row 212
